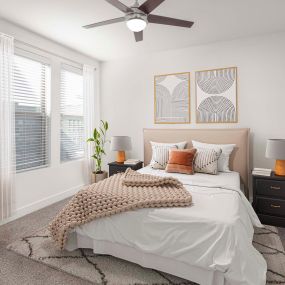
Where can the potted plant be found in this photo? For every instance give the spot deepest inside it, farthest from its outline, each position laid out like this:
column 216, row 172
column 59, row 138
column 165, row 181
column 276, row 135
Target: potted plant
column 99, row 140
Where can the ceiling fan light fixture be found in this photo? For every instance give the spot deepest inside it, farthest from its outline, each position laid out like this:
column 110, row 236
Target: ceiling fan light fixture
column 136, row 25
column 136, row 22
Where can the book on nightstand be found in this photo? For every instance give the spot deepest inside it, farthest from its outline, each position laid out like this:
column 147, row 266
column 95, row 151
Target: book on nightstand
column 262, row 171
column 131, row 161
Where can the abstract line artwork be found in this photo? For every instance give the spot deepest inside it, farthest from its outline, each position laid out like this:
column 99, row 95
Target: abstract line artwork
column 216, row 95
column 172, row 98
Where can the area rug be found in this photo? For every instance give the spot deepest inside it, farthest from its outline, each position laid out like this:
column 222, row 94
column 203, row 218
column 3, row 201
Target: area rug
column 108, row 270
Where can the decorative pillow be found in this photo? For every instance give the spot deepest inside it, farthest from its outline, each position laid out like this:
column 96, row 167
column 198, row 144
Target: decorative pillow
column 181, row 161
column 160, row 153
column 206, row 160
column 224, row 160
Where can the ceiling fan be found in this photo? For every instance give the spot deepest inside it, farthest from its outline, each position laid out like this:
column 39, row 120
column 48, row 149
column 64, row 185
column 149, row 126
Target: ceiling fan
column 138, row 16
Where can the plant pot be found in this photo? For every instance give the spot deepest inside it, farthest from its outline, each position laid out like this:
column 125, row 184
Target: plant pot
column 96, row 177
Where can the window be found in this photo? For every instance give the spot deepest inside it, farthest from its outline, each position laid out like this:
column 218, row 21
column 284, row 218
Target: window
column 71, row 114
column 31, row 91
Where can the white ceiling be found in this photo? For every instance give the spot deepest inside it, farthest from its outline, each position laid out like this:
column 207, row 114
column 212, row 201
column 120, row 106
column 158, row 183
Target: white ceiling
column 215, row 20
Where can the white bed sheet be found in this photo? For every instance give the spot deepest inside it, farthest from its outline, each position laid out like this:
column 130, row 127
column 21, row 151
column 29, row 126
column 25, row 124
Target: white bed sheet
column 214, row 234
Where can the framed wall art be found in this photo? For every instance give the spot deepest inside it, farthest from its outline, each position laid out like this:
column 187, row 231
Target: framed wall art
column 216, row 95
column 172, row 98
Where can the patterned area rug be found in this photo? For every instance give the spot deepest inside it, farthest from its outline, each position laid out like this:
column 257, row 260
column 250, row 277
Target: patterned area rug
column 108, row 270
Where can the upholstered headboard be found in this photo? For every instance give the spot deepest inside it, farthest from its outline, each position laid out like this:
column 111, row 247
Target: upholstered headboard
column 239, row 160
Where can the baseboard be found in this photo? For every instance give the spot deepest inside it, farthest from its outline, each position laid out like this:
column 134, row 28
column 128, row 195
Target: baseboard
column 23, row 211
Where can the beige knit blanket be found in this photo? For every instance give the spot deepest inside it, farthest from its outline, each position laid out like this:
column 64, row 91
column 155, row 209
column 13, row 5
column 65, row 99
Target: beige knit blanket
column 119, row 193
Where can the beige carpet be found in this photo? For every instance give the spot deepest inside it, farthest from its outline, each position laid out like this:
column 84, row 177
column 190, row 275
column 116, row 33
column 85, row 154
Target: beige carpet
column 102, row 269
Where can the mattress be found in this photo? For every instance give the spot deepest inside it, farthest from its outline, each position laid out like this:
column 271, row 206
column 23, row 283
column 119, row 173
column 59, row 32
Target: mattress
column 214, row 234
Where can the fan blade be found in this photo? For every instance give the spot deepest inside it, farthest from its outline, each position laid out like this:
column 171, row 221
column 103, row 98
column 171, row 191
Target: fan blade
column 122, row 7
column 103, row 23
column 149, row 5
column 169, row 21
column 139, row 36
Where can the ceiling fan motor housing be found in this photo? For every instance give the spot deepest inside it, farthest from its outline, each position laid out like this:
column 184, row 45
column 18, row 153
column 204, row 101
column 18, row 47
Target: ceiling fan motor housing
column 136, row 14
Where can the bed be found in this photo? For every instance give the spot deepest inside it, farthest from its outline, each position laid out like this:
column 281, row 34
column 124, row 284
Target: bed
column 207, row 243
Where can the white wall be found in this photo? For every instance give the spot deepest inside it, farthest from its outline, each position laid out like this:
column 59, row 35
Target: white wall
column 38, row 188
column 127, row 89
column 127, row 102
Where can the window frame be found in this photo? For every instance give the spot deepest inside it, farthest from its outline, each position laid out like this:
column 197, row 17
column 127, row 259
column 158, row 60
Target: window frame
column 21, row 52
column 77, row 70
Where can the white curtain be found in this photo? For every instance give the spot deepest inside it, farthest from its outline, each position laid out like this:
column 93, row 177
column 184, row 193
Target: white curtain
column 91, row 115
column 7, row 146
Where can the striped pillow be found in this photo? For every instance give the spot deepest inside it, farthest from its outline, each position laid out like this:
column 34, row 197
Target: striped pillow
column 206, row 160
column 160, row 153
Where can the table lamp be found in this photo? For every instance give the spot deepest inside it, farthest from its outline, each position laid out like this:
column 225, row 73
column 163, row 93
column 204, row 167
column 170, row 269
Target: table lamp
column 276, row 149
column 121, row 144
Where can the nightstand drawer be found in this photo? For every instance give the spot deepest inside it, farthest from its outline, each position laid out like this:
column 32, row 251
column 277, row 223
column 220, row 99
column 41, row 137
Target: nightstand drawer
column 273, row 188
column 115, row 167
column 270, row 206
column 115, row 170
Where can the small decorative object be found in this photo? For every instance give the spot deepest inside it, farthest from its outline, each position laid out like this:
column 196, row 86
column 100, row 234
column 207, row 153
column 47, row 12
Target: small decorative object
column 276, row 149
column 216, row 95
column 99, row 140
column 172, row 98
column 121, row 144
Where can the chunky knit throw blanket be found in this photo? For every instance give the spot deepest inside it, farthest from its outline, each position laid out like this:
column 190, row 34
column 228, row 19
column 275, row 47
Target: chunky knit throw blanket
column 119, row 193
column 135, row 179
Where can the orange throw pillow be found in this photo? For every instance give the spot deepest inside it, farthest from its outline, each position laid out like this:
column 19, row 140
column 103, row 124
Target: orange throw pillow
column 181, row 161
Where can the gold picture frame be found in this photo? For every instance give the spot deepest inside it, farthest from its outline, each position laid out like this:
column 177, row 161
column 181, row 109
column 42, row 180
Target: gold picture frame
column 166, row 109
column 230, row 113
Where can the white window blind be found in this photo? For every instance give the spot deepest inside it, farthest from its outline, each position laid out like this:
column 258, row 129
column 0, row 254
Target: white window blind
column 31, row 91
column 72, row 119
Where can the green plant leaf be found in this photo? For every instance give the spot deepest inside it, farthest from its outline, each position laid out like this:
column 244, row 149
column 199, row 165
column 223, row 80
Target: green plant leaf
column 95, row 133
column 99, row 139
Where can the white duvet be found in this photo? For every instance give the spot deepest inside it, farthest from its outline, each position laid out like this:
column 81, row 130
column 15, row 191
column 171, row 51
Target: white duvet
column 215, row 233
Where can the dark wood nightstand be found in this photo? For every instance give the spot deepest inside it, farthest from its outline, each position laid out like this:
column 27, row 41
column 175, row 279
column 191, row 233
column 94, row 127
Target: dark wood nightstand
column 115, row 167
column 269, row 199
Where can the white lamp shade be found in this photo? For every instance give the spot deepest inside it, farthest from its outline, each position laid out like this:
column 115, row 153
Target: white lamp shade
column 121, row 143
column 275, row 149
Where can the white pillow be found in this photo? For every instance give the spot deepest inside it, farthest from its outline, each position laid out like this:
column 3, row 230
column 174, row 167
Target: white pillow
column 160, row 153
column 224, row 159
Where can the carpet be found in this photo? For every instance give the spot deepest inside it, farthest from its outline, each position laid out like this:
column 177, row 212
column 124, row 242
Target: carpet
column 108, row 270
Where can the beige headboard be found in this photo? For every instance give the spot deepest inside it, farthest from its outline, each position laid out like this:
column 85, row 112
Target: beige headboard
column 239, row 161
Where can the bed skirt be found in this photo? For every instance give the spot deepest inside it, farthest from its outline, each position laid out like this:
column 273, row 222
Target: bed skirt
column 148, row 260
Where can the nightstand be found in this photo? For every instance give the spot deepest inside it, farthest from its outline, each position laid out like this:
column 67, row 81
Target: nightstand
column 269, row 199
column 116, row 167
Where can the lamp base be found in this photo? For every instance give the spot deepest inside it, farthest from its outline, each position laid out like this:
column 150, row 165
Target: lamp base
column 121, row 156
column 280, row 167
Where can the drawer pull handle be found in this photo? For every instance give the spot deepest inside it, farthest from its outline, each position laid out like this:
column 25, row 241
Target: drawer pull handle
column 275, row 188
column 275, row 206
